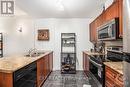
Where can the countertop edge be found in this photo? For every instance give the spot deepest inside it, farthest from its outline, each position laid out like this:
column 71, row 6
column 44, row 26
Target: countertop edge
column 92, row 53
column 120, row 71
column 34, row 60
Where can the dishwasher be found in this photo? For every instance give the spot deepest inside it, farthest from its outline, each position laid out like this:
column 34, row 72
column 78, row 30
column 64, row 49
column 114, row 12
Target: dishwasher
column 26, row 76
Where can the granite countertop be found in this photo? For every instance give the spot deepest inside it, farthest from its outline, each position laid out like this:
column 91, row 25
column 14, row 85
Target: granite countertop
column 11, row 64
column 117, row 66
column 93, row 53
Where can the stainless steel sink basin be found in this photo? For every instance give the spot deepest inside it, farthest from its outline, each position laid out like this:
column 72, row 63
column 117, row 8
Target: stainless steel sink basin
column 35, row 54
column 40, row 53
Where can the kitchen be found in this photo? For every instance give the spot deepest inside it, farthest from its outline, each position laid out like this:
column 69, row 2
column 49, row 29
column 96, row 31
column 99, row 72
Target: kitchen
column 33, row 40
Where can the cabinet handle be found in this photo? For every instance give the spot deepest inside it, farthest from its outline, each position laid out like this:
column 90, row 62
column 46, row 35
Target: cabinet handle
column 41, row 78
column 120, row 36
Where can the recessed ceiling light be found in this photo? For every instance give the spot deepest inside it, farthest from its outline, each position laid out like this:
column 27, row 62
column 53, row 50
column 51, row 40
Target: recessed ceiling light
column 59, row 5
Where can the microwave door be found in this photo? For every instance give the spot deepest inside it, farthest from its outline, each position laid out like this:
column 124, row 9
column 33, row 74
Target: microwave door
column 110, row 32
column 103, row 33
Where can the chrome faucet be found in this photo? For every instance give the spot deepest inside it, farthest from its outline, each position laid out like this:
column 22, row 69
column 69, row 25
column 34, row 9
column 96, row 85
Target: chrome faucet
column 32, row 51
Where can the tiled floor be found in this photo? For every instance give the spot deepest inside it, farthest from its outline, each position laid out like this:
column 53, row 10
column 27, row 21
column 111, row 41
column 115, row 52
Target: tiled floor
column 56, row 79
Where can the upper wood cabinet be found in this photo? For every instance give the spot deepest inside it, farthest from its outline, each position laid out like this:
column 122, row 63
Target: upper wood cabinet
column 93, row 32
column 100, row 20
column 120, row 18
column 114, row 11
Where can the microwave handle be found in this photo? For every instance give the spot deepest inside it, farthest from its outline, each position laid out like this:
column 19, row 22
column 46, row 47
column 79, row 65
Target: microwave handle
column 110, row 31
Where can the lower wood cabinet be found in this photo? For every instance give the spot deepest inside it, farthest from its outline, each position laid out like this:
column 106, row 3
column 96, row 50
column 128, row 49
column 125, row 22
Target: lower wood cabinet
column 50, row 62
column 6, row 80
column 113, row 78
column 85, row 62
column 44, row 68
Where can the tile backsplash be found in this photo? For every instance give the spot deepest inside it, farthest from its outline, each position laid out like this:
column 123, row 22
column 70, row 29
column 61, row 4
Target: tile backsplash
column 114, row 43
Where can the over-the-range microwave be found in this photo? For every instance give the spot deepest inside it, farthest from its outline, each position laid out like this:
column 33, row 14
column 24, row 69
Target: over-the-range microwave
column 109, row 30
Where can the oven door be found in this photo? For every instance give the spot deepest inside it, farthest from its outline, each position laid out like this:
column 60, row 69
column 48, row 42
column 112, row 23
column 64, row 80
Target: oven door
column 96, row 69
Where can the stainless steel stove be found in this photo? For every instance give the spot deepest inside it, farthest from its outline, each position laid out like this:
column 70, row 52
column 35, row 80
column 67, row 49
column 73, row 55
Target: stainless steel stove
column 96, row 66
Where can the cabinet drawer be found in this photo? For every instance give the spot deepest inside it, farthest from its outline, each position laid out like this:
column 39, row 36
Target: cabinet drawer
column 113, row 78
column 119, row 81
column 110, row 73
column 109, row 83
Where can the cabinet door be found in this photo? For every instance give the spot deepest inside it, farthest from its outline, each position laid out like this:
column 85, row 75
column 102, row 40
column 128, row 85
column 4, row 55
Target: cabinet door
column 109, row 83
column 99, row 20
column 40, row 74
column 87, row 62
column 6, row 79
column 45, row 67
column 113, row 78
column 51, row 61
column 93, row 32
column 110, row 75
column 119, row 80
column 120, row 18
column 112, row 11
column 47, row 64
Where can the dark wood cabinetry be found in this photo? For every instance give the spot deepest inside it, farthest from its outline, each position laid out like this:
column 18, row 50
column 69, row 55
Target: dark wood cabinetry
column 40, row 72
column 50, row 62
column 6, row 80
column 44, row 68
column 93, row 32
column 85, row 62
column 120, row 18
column 114, row 11
column 113, row 78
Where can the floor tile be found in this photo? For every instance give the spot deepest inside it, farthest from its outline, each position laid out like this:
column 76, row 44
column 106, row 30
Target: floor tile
column 56, row 79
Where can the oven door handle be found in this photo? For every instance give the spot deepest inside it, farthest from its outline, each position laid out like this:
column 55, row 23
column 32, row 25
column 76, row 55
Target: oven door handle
column 99, row 65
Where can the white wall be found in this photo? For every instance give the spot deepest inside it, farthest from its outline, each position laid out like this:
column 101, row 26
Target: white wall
column 58, row 26
column 108, row 3
column 15, row 42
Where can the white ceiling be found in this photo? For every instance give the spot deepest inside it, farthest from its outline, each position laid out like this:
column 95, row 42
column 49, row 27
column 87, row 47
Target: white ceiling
column 72, row 8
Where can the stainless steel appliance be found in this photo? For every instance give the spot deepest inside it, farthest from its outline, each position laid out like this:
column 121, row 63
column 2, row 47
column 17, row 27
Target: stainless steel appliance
column 126, row 69
column 96, row 68
column 114, row 56
column 126, row 41
column 118, row 49
column 26, row 76
column 109, row 31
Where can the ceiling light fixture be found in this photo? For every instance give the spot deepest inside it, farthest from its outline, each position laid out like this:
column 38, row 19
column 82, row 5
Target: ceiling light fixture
column 20, row 29
column 60, row 5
